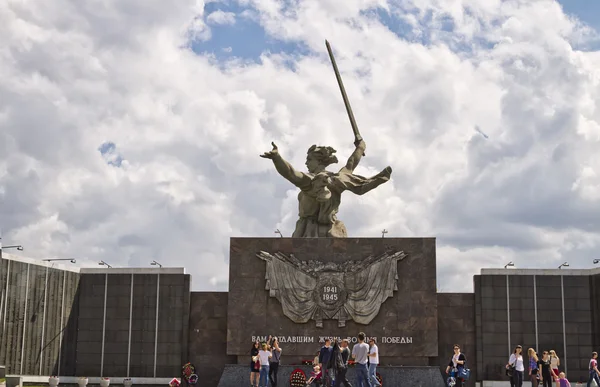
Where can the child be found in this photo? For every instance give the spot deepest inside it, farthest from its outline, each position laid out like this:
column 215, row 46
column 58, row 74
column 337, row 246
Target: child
column 316, row 359
column 562, row 380
column 315, row 376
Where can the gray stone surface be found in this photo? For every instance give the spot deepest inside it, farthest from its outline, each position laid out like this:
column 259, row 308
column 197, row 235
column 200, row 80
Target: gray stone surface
column 535, row 322
column 239, row 375
column 14, row 381
column 39, row 298
column 321, row 190
column 33, row 308
column 411, row 312
column 173, row 316
column 456, row 313
column 208, row 335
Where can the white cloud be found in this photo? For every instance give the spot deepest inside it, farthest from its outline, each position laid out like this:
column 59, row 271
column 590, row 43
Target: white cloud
column 221, row 18
column 74, row 76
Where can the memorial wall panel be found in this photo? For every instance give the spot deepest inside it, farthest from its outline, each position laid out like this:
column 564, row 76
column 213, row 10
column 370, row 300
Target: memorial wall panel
column 456, row 313
column 491, row 326
column 31, row 309
column 208, row 335
column 341, row 281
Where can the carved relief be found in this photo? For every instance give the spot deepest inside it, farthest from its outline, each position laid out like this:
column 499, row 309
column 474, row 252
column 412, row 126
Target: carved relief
column 316, row 290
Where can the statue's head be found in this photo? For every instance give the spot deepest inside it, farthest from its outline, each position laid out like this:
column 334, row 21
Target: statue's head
column 319, row 157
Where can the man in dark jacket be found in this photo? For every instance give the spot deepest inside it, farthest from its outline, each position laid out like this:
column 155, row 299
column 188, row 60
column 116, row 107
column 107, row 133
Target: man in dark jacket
column 324, row 357
column 341, row 364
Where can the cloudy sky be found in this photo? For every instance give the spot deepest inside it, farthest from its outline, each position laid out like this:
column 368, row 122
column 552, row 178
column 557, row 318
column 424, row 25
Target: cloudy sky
column 130, row 130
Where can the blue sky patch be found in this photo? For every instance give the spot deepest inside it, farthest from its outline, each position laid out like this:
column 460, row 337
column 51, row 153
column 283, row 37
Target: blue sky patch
column 108, row 150
column 246, row 39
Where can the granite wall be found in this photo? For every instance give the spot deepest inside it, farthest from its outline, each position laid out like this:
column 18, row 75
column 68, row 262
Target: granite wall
column 456, row 325
column 53, row 321
column 35, row 308
column 595, row 305
column 132, row 344
column 528, row 310
column 410, row 312
column 208, row 335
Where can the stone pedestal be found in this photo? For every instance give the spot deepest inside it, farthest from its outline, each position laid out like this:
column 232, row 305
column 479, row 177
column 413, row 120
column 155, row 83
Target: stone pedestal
column 238, row 375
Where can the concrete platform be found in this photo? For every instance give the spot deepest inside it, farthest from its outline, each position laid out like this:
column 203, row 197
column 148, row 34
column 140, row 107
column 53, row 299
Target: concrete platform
column 239, row 375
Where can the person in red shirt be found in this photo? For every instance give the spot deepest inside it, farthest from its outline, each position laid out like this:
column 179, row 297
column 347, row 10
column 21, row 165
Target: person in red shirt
column 594, row 373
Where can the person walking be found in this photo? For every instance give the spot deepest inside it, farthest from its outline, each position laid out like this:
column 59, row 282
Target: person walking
column 360, row 352
column 341, row 376
column 533, row 367
column 324, row 357
column 545, row 373
column 593, row 367
column 274, row 361
column 456, row 364
column 516, row 361
column 373, row 362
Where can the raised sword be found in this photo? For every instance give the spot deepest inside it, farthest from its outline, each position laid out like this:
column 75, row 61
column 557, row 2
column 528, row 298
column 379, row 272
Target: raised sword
column 357, row 136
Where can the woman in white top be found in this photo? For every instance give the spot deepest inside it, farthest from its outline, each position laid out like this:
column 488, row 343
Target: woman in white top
column 516, row 361
column 554, row 363
column 263, row 356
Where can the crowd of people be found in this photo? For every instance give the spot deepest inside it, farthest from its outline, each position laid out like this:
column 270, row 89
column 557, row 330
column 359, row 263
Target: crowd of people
column 544, row 371
column 329, row 366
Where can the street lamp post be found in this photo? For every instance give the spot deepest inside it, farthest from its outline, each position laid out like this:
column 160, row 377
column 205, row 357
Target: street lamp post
column 596, row 261
column 510, row 264
column 383, row 232
column 154, row 263
column 105, row 264
column 72, row 260
column 18, row 247
column 565, row 264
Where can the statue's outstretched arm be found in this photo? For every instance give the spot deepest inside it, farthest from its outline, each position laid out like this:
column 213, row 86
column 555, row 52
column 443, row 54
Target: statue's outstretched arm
column 355, row 157
column 297, row 178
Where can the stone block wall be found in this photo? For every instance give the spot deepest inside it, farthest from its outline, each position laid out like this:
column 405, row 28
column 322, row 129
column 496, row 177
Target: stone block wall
column 595, row 306
column 125, row 341
column 53, row 321
column 456, row 325
column 35, row 308
column 543, row 312
column 208, row 336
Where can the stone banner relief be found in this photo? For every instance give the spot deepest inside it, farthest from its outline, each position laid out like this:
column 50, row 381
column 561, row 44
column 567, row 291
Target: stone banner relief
column 317, row 290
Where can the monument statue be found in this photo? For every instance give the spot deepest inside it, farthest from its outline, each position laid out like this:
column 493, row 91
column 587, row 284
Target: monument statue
column 321, row 190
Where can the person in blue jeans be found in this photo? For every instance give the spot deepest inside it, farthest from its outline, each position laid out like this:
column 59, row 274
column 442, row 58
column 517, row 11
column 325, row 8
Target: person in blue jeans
column 324, row 356
column 594, row 373
column 263, row 356
column 360, row 352
column 373, row 362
